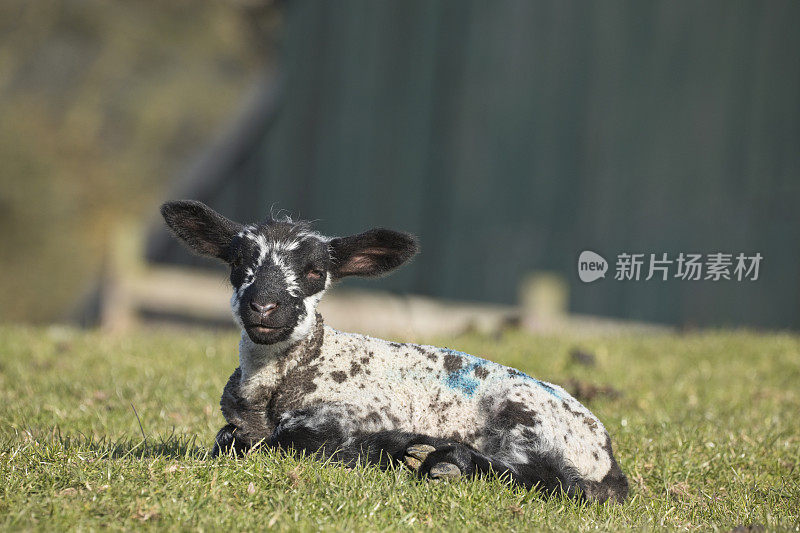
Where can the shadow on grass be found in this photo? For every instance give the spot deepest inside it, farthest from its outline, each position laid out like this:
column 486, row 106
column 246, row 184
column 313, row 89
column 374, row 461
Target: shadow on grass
column 169, row 447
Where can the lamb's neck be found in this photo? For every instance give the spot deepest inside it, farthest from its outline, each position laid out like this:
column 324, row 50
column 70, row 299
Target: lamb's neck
column 264, row 364
column 256, row 358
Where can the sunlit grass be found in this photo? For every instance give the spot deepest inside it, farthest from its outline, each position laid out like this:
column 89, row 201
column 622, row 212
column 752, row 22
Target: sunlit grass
column 706, row 428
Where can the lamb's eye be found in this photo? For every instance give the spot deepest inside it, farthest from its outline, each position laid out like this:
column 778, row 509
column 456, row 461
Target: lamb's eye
column 314, row 274
column 237, row 261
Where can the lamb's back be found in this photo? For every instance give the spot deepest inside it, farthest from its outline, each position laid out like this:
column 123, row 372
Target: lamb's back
column 427, row 389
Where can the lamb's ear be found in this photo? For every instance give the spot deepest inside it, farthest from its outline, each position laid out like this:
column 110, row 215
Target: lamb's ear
column 204, row 230
column 372, row 253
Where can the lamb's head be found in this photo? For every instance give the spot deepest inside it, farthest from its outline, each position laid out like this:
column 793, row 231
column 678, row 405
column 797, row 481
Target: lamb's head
column 279, row 268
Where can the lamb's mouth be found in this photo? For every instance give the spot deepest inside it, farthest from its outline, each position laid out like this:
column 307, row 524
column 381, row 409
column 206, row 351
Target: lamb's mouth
column 260, row 328
column 261, row 334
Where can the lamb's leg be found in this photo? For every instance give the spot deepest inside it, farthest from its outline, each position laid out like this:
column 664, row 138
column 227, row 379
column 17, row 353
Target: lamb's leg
column 542, row 471
column 449, row 460
column 328, row 430
column 226, row 442
column 446, row 460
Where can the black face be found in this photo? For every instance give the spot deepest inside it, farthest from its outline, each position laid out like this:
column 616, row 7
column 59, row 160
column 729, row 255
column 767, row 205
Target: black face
column 278, row 273
column 280, row 269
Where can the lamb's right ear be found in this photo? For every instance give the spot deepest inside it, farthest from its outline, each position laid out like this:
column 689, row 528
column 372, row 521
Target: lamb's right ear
column 204, row 230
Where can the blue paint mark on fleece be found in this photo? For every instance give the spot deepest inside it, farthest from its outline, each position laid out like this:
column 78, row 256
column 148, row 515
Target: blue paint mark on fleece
column 543, row 384
column 459, row 380
column 463, row 379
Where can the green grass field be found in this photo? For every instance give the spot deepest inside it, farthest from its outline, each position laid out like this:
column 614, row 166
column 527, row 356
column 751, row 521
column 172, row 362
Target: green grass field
column 707, row 427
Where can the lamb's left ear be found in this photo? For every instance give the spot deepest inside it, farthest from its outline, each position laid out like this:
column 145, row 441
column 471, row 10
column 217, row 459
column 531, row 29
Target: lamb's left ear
column 372, row 253
column 204, row 230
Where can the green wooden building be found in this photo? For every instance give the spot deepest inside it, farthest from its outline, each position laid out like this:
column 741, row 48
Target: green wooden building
column 512, row 135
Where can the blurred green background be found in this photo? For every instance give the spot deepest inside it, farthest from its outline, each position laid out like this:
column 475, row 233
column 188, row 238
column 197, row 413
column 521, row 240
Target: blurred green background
column 101, row 105
column 509, row 136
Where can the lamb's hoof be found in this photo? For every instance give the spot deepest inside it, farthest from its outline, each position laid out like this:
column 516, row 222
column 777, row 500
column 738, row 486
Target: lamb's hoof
column 416, row 454
column 445, row 471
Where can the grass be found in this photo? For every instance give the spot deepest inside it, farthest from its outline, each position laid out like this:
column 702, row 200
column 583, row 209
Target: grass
column 706, row 428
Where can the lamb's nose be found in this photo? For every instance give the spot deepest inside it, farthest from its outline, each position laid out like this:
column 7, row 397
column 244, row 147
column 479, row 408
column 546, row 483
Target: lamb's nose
column 265, row 309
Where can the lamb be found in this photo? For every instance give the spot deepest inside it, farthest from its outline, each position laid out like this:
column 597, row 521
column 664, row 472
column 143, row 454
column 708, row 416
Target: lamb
column 306, row 386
